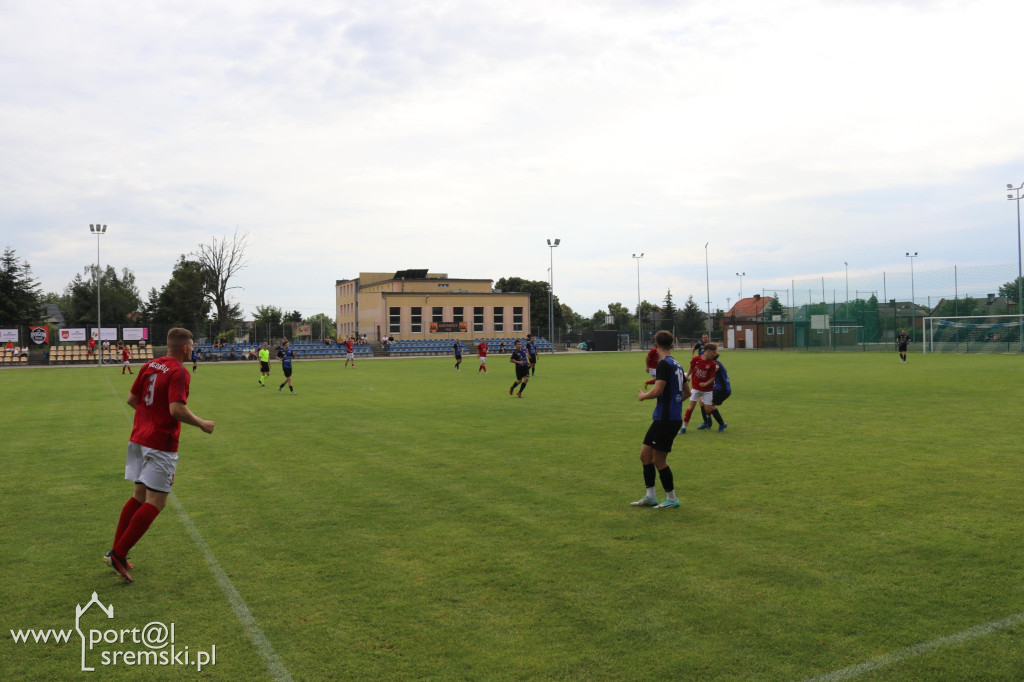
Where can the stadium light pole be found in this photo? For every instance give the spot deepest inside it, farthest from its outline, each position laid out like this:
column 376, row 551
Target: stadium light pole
column 707, row 284
column 913, row 309
column 1020, row 274
column 847, row 265
column 98, row 230
column 741, row 275
column 639, row 319
column 551, row 289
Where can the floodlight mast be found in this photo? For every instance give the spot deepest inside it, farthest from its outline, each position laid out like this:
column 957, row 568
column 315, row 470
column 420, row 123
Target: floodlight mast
column 98, row 230
column 1020, row 274
column 551, row 289
column 707, row 285
column 913, row 305
column 639, row 319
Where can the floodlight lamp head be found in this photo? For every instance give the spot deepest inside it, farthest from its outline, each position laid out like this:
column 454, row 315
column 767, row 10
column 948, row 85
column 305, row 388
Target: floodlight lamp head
column 1009, row 186
column 557, row 242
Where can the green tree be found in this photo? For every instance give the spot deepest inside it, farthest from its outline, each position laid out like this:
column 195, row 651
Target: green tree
column 622, row 318
column 773, row 308
column 953, row 307
column 1011, row 290
column 575, row 324
column 119, row 298
column 269, row 314
column 669, row 313
column 651, row 316
column 183, row 299
column 692, row 320
column 323, row 325
column 538, row 291
column 268, row 323
column 20, row 298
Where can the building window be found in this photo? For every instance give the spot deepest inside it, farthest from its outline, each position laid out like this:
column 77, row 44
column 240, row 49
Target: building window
column 395, row 315
column 416, row 320
column 499, row 319
column 457, row 314
column 517, row 319
column 771, row 331
column 478, row 319
column 438, row 314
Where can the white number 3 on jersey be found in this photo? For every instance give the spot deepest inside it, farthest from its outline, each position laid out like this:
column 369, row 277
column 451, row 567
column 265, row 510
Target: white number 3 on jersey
column 150, row 390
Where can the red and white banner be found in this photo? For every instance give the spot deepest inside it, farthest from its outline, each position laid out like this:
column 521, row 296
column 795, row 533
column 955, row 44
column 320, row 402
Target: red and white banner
column 134, row 333
column 72, row 334
column 39, row 335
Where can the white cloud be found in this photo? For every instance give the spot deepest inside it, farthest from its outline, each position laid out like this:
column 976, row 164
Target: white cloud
column 458, row 135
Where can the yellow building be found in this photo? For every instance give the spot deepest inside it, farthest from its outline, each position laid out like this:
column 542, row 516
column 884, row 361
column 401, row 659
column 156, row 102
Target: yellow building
column 417, row 304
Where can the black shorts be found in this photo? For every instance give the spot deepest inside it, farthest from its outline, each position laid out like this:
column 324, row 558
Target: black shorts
column 265, row 367
column 287, row 371
column 522, row 372
column 533, row 359
column 720, row 395
column 902, row 348
column 661, row 434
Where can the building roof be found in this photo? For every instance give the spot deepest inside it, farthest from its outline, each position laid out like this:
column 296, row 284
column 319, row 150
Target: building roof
column 749, row 308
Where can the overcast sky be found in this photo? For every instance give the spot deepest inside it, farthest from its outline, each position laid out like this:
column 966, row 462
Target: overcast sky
column 459, row 136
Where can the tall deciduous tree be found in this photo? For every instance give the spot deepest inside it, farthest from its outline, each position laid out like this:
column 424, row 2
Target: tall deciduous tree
column 20, row 298
column 1011, row 290
column 182, row 300
column 538, row 291
column 221, row 260
column 323, row 325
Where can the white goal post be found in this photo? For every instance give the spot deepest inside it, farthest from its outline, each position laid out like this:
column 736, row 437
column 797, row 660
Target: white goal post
column 974, row 334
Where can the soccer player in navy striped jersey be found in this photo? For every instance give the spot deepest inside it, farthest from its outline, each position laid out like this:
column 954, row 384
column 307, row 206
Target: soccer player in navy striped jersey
column 666, row 420
column 531, row 352
column 286, row 354
column 522, row 362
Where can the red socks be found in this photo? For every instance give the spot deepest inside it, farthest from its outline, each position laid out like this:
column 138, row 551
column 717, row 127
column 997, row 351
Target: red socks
column 129, row 509
column 136, row 527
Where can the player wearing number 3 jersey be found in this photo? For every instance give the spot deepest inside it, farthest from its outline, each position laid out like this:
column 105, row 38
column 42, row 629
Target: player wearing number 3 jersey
column 159, row 397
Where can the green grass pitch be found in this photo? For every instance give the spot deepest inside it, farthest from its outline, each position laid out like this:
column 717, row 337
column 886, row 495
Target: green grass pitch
column 400, row 520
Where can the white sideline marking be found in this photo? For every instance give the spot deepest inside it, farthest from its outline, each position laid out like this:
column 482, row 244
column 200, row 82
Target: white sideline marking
column 918, row 649
column 252, row 628
column 277, row 670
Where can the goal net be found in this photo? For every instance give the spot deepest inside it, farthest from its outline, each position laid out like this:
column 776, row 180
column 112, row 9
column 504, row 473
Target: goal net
column 981, row 334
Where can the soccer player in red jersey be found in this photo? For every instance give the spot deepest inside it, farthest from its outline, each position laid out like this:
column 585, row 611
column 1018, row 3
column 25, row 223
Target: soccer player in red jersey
column 481, row 352
column 126, row 357
column 159, row 395
column 350, row 355
column 702, row 380
column 652, row 365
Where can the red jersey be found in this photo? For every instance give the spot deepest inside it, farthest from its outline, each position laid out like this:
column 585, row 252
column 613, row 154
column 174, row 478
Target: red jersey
column 348, row 346
column 159, row 383
column 481, row 349
column 702, row 373
column 653, row 359
column 126, row 354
